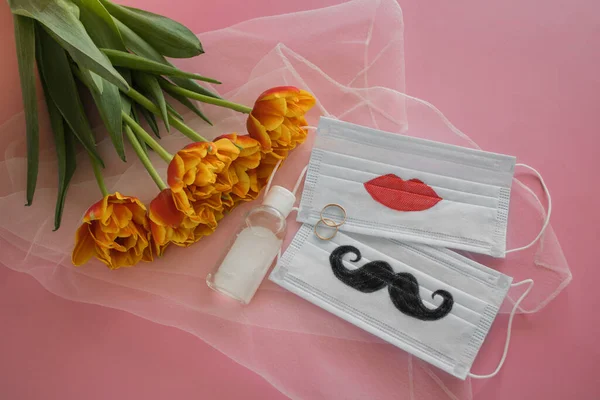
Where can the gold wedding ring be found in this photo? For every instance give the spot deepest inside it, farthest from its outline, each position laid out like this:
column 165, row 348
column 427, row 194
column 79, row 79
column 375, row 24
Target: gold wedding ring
column 342, row 209
column 329, row 222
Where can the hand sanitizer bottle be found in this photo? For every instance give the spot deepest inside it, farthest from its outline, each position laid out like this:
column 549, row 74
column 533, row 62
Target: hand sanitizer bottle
column 256, row 244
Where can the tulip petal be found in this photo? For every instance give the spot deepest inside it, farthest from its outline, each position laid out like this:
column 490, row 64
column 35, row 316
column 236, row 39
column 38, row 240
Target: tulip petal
column 203, row 176
column 96, row 211
column 159, row 233
column 147, row 255
column 105, row 218
column 300, row 105
column 85, row 246
column 163, row 210
column 250, row 162
column 175, row 171
column 138, row 212
column 270, row 113
column 243, row 186
column 258, row 132
column 122, row 216
column 280, row 91
column 285, row 137
column 252, row 175
column 181, row 200
column 199, row 148
column 225, row 147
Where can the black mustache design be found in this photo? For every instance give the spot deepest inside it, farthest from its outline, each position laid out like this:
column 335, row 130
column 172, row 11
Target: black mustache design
column 402, row 287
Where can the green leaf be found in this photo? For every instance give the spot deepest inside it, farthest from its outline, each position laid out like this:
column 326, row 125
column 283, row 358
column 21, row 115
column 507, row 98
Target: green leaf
column 125, row 101
column 140, row 47
column 151, row 120
column 99, row 24
column 96, row 82
column 149, row 84
column 135, row 62
column 193, row 86
column 174, row 112
column 125, row 104
column 59, row 17
column 134, row 114
column 168, row 37
column 64, row 142
column 56, row 69
column 66, row 154
column 70, row 167
column 177, row 124
column 125, row 73
column 168, row 87
column 171, row 88
column 25, row 41
column 136, row 118
column 109, row 106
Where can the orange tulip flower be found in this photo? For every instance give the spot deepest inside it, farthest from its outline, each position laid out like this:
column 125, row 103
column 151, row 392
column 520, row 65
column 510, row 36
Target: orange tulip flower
column 168, row 224
column 248, row 159
column 171, row 225
column 209, row 212
column 116, row 231
column 277, row 118
column 201, row 169
column 199, row 176
column 254, row 187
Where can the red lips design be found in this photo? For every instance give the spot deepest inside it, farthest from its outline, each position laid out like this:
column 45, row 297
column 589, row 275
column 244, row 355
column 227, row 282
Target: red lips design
column 401, row 195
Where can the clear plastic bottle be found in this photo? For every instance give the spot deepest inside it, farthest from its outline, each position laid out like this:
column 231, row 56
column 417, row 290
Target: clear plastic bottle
column 257, row 242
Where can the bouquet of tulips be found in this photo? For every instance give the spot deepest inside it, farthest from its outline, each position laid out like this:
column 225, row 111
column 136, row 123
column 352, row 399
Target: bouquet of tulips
column 117, row 55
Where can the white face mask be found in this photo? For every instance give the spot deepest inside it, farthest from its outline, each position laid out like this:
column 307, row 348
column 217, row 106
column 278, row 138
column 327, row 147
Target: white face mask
column 410, row 189
column 440, row 307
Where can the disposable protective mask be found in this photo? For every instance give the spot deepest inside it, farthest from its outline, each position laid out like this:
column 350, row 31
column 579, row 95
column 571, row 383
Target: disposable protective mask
column 410, row 189
column 430, row 302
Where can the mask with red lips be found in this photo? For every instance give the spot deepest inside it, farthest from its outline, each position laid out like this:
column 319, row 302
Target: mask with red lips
column 398, row 194
column 400, row 187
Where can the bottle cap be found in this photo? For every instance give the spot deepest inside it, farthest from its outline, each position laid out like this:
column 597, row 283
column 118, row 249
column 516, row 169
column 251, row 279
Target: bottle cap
column 280, row 199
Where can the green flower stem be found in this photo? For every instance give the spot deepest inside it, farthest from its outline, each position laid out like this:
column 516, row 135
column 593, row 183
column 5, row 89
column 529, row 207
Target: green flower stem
column 186, row 130
column 177, row 124
column 165, row 155
column 98, row 174
column 144, row 158
column 207, row 99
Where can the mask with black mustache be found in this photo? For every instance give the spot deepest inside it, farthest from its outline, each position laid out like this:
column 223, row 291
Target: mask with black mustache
column 402, row 287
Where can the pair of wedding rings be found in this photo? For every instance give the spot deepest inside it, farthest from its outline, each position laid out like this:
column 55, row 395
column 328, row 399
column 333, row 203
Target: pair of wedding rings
column 329, row 223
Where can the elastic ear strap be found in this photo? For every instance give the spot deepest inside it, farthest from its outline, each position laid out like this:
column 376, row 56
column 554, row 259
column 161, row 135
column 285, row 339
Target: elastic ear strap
column 303, row 173
column 510, row 321
column 297, row 185
column 299, row 180
column 547, row 220
column 270, row 181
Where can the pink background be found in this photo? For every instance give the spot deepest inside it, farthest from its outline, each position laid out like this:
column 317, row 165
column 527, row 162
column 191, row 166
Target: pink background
column 519, row 77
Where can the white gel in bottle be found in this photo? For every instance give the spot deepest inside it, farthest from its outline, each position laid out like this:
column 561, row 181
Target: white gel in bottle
column 256, row 244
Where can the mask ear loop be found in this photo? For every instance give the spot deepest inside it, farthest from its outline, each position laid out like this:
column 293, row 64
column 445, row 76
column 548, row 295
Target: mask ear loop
column 294, row 191
column 296, row 186
column 270, row 181
column 547, row 220
column 509, row 329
